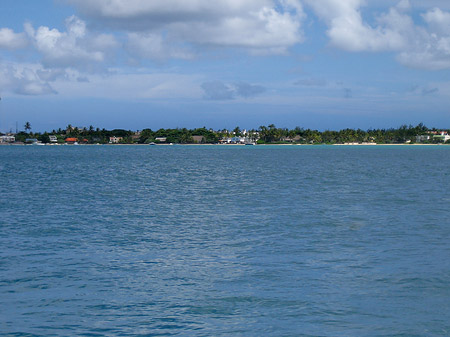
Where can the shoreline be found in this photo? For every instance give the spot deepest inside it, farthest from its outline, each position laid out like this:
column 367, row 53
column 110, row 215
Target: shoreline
column 228, row 145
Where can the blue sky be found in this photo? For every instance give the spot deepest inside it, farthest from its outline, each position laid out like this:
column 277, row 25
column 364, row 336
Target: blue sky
column 325, row 64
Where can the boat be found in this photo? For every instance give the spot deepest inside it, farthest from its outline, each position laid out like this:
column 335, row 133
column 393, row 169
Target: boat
column 152, row 143
column 250, row 143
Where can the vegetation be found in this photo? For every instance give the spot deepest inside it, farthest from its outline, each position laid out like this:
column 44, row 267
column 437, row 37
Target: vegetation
column 27, row 126
column 263, row 135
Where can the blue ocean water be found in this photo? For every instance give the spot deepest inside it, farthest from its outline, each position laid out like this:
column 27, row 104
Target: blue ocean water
column 220, row 240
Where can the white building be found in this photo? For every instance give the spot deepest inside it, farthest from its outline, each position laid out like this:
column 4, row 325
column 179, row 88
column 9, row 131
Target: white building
column 115, row 140
column 7, row 139
column 235, row 140
column 441, row 135
column 444, row 136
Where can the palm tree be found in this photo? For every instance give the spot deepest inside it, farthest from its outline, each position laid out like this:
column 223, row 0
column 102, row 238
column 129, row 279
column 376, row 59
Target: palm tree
column 263, row 133
column 27, row 126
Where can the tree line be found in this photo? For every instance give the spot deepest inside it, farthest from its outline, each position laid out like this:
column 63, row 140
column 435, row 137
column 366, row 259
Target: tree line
column 404, row 133
column 263, row 135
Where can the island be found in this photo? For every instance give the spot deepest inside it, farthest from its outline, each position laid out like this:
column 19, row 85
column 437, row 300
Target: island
column 419, row 134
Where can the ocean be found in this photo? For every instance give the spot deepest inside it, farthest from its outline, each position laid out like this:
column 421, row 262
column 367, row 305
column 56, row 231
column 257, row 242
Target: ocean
column 224, row 240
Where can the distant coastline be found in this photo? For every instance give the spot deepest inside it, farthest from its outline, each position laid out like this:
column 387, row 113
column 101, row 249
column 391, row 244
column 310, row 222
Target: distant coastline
column 231, row 145
column 264, row 135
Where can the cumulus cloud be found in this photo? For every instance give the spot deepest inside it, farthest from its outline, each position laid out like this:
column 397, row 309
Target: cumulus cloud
column 11, row 40
column 347, row 30
column 429, row 47
column 181, row 29
column 51, row 75
column 175, row 28
column 266, row 29
column 217, row 90
column 154, row 46
column 438, row 20
column 23, row 80
column 259, row 25
column 169, row 10
column 76, row 47
column 416, row 46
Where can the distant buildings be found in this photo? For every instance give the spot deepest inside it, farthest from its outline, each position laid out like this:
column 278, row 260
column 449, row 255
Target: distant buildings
column 235, row 140
column 265, row 135
column 7, row 139
column 31, row 141
column 115, row 140
column 71, row 140
column 442, row 136
column 291, row 139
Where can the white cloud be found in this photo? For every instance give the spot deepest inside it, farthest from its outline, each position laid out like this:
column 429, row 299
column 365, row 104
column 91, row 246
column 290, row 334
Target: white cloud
column 417, row 46
column 348, row 31
column 51, row 75
column 419, row 4
column 265, row 29
column 76, row 48
column 438, row 20
column 268, row 25
column 180, row 29
column 163, row 29
column 154, row 46
column 23, row 79
column 34, row 79
column 427, row 47
column 11, row 40
column 163, row 10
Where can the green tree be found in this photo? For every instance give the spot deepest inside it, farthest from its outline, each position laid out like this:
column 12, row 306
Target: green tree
column 44, row 138
column 263, row 134
column 27, row 126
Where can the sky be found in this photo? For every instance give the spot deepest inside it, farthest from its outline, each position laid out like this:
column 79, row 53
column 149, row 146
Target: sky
column 134, row 64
